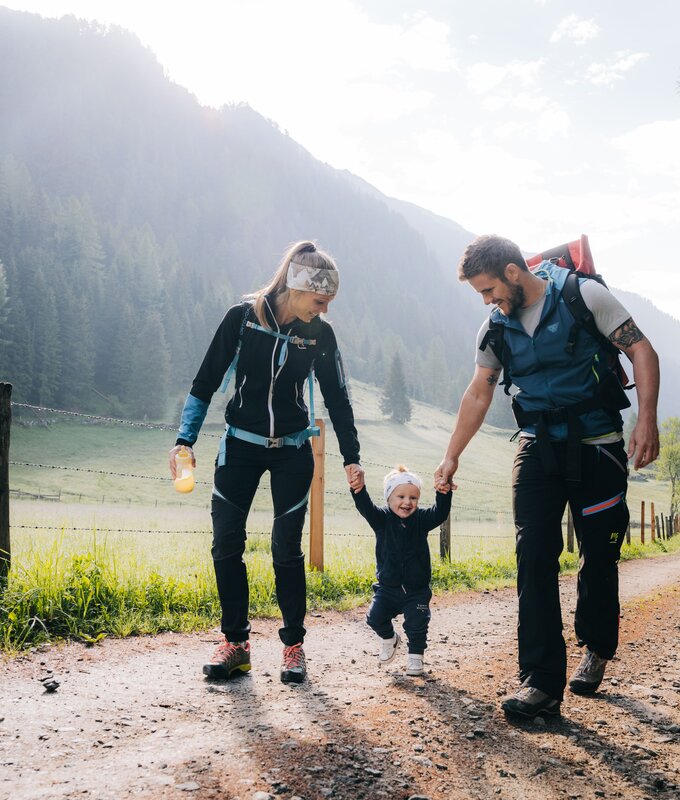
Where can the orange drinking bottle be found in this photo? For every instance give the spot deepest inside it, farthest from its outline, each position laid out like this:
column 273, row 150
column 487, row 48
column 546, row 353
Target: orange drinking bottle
column 184, row 482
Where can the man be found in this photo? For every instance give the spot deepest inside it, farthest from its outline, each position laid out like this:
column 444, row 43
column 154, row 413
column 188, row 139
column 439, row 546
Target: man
column 570, row 451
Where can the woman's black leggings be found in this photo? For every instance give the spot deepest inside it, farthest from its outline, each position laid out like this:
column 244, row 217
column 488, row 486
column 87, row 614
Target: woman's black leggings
column 291, row 471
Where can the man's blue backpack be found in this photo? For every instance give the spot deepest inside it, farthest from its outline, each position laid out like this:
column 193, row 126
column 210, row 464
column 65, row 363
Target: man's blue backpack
column 577, row 258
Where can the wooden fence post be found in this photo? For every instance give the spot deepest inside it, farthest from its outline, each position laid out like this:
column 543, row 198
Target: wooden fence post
column 5, row 424
column 570, row 531
column 642, row 522
column 652, row 520
column 316, row 498
column 445, row 539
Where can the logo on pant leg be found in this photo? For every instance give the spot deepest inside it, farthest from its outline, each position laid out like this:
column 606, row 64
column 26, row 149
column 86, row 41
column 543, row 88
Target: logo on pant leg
column 613, row 537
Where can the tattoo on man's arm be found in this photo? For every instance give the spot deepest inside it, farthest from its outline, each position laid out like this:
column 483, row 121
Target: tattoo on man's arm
column 627, row 335
column 492, row 379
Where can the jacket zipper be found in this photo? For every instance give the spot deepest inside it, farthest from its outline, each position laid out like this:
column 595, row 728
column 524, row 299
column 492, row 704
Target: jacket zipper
column 270, row 396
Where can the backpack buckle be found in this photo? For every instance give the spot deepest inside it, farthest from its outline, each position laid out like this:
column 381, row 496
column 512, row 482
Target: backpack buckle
column 273, row 442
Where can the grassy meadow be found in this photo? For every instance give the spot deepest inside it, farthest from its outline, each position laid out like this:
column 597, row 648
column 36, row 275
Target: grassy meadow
column 121, row 553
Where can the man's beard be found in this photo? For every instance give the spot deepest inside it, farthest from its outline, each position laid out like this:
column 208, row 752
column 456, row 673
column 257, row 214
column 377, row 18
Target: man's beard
column 516, row 300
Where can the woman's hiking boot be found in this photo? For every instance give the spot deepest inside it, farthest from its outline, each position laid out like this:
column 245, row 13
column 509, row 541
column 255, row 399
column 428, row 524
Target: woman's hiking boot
column 530, row 702
column 293, row 664
column 388, row 649
column 587, row 677
column 229, row 658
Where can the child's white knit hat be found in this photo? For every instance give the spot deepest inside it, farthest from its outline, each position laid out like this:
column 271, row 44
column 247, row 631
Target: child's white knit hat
column 399, row 476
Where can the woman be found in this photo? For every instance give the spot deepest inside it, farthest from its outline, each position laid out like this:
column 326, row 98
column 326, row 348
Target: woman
column 271, row 340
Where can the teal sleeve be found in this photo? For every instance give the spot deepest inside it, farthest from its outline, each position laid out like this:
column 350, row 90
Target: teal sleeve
column 193, row 414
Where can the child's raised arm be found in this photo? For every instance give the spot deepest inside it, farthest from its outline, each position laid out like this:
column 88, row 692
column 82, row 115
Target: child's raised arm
column 366, row 507
column 435, row 515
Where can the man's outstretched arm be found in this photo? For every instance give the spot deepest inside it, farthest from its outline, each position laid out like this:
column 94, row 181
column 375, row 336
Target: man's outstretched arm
column 644, row 440
column 473, row 408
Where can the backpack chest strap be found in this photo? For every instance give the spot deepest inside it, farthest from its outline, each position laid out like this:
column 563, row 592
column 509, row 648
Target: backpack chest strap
column 295, row 340
column 298, row 341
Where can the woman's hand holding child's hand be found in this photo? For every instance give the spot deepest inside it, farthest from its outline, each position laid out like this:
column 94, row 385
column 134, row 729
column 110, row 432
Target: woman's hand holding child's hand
column 355, row 477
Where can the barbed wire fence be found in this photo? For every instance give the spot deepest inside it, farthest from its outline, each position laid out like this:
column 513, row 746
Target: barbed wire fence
column 462, row 513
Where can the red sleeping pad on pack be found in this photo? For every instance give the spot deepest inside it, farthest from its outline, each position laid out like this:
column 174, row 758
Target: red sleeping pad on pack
column 573, row 255
column 576, row 256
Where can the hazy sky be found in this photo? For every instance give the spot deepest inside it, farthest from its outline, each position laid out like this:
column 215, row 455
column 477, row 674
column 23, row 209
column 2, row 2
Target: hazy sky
column 536, row 119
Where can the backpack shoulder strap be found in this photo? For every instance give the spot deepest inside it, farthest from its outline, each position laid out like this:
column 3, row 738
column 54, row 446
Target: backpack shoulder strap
column 583, row 316
column 232, row 367
column 495, row 339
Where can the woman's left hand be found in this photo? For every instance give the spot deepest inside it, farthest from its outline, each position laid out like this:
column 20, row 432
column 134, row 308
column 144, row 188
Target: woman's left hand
column 355, row 476
column 173, row 454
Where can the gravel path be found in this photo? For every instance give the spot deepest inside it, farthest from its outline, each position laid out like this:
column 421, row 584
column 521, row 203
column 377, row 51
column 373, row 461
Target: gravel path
column 135, row 718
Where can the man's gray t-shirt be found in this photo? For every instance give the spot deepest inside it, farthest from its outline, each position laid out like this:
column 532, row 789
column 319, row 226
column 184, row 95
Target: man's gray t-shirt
column 609, row 315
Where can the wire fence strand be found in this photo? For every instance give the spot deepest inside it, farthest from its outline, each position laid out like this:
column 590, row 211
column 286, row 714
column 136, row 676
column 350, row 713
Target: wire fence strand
column 173, row 429
column 488, row 513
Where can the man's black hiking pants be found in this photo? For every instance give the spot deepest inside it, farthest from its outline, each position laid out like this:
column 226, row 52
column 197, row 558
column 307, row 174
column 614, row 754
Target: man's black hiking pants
column 600, row 514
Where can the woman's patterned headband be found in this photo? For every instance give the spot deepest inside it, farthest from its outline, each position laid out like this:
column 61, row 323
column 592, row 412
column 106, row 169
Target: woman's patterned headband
column 312, row 279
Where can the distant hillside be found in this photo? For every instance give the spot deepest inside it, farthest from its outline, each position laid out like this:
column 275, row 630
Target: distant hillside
column 131, row 217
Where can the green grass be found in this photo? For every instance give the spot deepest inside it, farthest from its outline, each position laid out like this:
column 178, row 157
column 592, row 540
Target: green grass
column 100, row 585
column 120, row 556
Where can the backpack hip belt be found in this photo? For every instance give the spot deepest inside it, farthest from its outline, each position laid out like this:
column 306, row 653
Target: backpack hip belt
column 555, row 416
column 268, row 442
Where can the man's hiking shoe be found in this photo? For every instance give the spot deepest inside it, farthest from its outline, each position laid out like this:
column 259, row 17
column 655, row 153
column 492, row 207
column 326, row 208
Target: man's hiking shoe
column 293, row 666
column 388, row 650
column 530, row 702
column 414, row 664
column 588, row 675
column 229, row 658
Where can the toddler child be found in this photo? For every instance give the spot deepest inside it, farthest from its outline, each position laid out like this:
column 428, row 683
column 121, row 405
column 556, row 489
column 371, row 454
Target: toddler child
column 403, row 562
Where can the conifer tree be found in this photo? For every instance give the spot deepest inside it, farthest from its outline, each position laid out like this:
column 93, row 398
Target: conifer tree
column 436, row 377
column 46, row 352
column 395, row 402
column 17, row 352
column 76, row 334
column 149, row 369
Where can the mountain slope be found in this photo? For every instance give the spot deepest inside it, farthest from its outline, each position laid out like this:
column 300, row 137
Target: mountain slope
column 180, row 209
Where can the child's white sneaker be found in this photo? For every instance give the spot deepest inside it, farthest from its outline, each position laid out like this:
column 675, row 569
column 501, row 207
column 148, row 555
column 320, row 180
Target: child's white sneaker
column 414, row 664
column 388, row 650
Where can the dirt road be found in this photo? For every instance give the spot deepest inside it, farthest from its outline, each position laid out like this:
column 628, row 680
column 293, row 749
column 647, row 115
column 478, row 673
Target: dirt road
column 135, row 718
